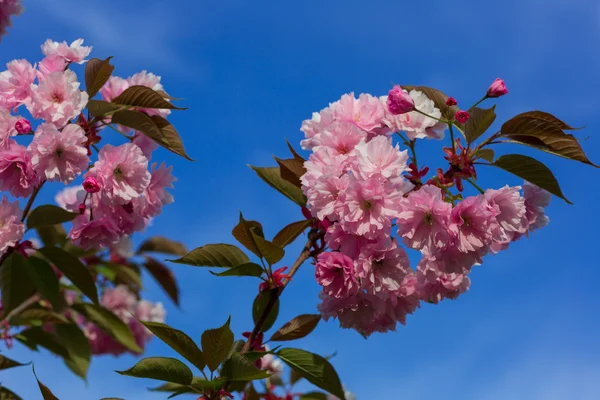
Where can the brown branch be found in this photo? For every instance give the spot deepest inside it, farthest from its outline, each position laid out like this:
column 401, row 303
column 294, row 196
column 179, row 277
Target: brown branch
column 21, row 307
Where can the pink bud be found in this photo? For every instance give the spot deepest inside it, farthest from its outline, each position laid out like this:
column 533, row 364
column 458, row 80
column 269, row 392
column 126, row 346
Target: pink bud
column 462, row 116
column 451, row 101
column 497, row 88
column 23, row 126
column 399, row 101
column 91, row 185
column 81, row 208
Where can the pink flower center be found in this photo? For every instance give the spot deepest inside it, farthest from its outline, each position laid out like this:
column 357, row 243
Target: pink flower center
column 59, row 152
column 428, row 218
column 366, row 205
column 57, row 97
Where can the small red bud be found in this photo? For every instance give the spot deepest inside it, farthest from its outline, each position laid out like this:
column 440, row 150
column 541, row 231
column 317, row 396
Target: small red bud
column 462, row 116
column 23, row 126
column 81, row 208
column 451, row 101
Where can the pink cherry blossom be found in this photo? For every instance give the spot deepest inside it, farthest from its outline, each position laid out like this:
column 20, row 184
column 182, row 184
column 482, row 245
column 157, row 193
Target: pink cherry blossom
column 324, row 161
column 342, row 138
column 382, row 268
column 11, row 227
column 510, row 212
column 399, row 101
column 536, row 199
column 435, row 285
column 145, row 143
column 313, row 128
column 414, row 124
column 348, row 243
column 113, row 88
column 366, row 112
column 74, row 52
column 59, row 156
column 323, row 195
column 472, row 222
column 497, row 88
column 93, row 234
column 156, row 195
column 70, row 198
column 424, row 218
column 147, row 312
column 122, row 172
column 379, row 157
column 17, row 175
column 58, row 99
column 91, row 185
column 7, row 126
column 8, row 9
column 15, row 83
column 50, row 64
column 335, row 272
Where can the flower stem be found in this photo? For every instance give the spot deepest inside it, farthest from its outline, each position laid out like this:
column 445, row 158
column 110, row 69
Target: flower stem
column 450, row 125
column 429, row 116
column 479, row 102
column 476, row 186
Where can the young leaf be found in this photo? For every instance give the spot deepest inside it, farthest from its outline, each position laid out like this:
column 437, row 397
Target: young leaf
column 294, row 152
column 125, row 274
column 73, row 269
column 486, row 154
column 530, row 170
column 314, row 396
column 6, row 363
column 259, row 306
column 52, row 235
column 15, row 284
column 214, row 255
column 272, row 176
column 49, row 215
column 34, row 337
column 288, row 234
column 97, row 72
column 297, row 328
column 249, row 269
column 314, row 369
column 216, row 344
column 44, row 279
column 160, row 244
column 99, row 108
column 479, row 121
column 77, row 346
column 161, row 368
column 46, row 393
column 140, row 122
column 170, row 137
column 164, row 276
column 239, row 368
column 243, row 233
column 178, row 341
column 37, row 316
column 145, row 97
column 109, row 323
column 7, row 394
column 291, row 170
column 271, row 252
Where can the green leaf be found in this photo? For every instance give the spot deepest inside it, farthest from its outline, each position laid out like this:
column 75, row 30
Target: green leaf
column 34, row 337
column 77, row 346
column 249, row 269
column 49, row 215
column 530, row 170
column 271, row 252
column 140, row 122
column 204, row 385
column 170, row 137
column 178, row 341
column 100, row 108
column 97, row 72
column 479, row 121
column 52, row 235
column 438, row 98
column 37, row 316
column 145, row 97
column 109, row 323
column 486, row 154
column 239, row 368
column 259, row 306
column 297, row 328
column 45, row 280
column 272, row 176
column 73, row 269
column 214, row 255
column 314, row 369
column 7, row 394
column 314, row 396
column 125, row 274
column 294, row 377
column 288, row 234
column 216, row 344
column 46, row 393
column 291, row 170
column 15, row 284
column 544, row 132
column 161, row 244
column 161, row 368
column 164, row 277
column 243, row 233
column 6, row 363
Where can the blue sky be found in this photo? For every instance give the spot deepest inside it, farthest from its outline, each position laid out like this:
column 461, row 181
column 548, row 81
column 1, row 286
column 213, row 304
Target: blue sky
column 252, row 71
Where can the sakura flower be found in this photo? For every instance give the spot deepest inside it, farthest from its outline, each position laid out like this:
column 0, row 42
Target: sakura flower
column 8, row 8
column 399, row 101
column 93, row 234
column 510, row 212
column 313, row 128
column 74, row 52
column 50, row 64
column 417, row 125
column 15, row 83
column 342, row 138
column 497, row 88
column 113, row 88
column 335, row 272
column 435, row 285
column 58, row 99
column 366, row 112
column 147, row 312
column 348, row 243
column 536, row 199
column 70, row 198
column 7, row 126
column 59, row 156
column 472, row 222
column 17, row 175
column 11, row 227
column 379, row 157
column 145, row 143
column 383, row 268
column 322, row 196
column 156, row 194
column 324, row 160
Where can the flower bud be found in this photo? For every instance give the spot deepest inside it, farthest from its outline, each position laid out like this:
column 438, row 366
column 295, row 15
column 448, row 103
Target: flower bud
column 497, row 88
column 462, row 116
column 399, row 101
column 23, row 126
column 91, row 185
column 451, row 101
column 81, row 208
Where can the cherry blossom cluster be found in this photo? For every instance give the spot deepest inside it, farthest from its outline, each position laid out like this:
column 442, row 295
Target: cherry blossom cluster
column 362, row 185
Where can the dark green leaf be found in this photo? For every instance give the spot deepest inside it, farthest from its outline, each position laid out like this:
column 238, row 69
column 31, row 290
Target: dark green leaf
column 214, row 255
column 160, row 244
column 531, row 170
column 45, row 280
column 7, row 394
column 235, row 348
column 109, row 323
column 39, row 315
column 167, row 387
column 49, row 215
column 239, row 368
column 125, row 274
column 73, row 269
column 294, row 377
column 170, row 137
column 216, row 344
column 314, row 396
column 100, row 108
column 249, row 269
column 145, row 97
column 243, row 233
column 288, row 234
column 479, row 121
column 178, row 341
column 164, row 276
column 272, row 176
column 259, row 306
column 77, row 346
column 52, row 235
column 6, row 363
column 161, row 368
column 438, row 98
column 291, row 170
column 34, row 337
column 486, row 154
column 297, row 328
column 205, row 385
column 46, row 393
column 97, row 72
column 140, row 122
column 15, row 284
column 314, row 369
column 271, row 252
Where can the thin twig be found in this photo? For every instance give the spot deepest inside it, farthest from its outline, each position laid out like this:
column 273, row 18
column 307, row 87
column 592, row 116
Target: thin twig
column 21, row 307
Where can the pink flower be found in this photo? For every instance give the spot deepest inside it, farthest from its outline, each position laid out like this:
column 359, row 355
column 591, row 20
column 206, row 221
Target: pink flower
column 98, row 233
column 382, row 268
column 324, row 161
column 11, row 227
column 399, row 101
column 434, row 285
column 91, row 185
column 8, row 8
column 366, row 112
column 347, row 243
column 15, row 83
column 451, row 101
column 156, row 194
column 145, row 143
column 342, row 138
column 59, row 156
column 379, row 157
column 536, row 199
column 70, row 198
column 510, row 212
column 462, row 117
column 7, row 126
column 424, row 218
column 113, row 88
column 74, row 52
column 147, row 312
column 122, row 172
column 23, row 126
column 50, row 64
column 451, row 260
column 313, row 128
column 322, row 196
column 472, row 222
column 16, row 170
column 335, row 272
column 58, row 99
column 497, row 88
column 152, row 81
column 417, row 125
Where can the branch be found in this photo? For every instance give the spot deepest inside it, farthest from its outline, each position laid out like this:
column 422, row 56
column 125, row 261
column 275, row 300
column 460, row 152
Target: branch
column 32, row 300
